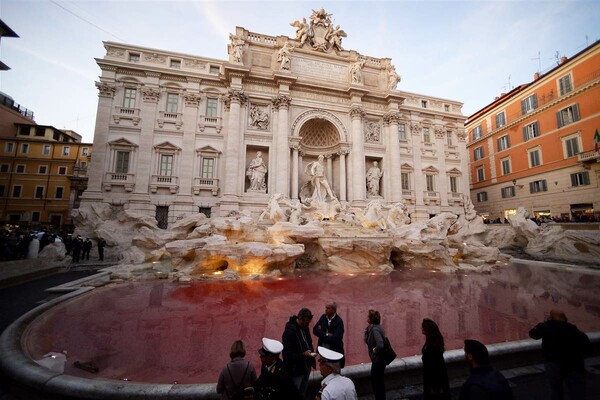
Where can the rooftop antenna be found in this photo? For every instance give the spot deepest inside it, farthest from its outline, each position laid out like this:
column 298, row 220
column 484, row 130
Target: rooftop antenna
column 539, row 59
column 557, row 57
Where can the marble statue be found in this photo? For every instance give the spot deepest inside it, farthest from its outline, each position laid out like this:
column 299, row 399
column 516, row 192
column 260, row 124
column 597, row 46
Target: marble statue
column 320, row 17
column 372, row 132
column 356, row 72
column 258, row 118
column 284, row 56
column 334, row 37
column 374, row 174
column 320, row 185
column 256, row 173
column 398, row 216
column 372, row 217
column 296, row 210
column 237, row 48
column 302, row 31
column 393, row 78
column 273, row 211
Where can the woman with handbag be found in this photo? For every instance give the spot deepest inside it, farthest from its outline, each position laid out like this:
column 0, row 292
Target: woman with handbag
column 238, row 376
column 374, row 338
column 435, row 376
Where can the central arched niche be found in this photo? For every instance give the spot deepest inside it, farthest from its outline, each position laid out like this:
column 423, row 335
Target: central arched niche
column 317, row 134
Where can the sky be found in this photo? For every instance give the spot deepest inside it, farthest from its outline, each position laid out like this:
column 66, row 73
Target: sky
column 469, row 51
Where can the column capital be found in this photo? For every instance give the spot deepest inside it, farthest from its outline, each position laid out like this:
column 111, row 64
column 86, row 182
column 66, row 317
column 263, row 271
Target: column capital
column 282, row 101
column 357, row 112
column 392, row 117
column 150, row 95
column 106, row 89
column 237, row 96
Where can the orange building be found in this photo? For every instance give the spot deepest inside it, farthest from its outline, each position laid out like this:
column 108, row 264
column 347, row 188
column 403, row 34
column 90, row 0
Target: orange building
column 534, row 146
column 42, row 170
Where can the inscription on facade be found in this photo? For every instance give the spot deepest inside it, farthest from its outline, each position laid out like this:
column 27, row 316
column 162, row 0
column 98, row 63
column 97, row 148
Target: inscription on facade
column 320, row 69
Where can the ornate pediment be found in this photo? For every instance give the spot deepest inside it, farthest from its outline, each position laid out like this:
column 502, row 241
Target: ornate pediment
column 319, row 34
column 431, row 170
column 167, row 146
column 122, row 142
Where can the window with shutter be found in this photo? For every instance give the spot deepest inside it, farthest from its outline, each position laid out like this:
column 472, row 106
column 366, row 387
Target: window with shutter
column 565, row 85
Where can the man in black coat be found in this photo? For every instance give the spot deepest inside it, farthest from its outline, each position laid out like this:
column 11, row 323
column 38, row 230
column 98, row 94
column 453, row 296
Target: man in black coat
column 330, row 331
column 273, row 384
column 298, row 351
column 484, row 381
column 564, row 347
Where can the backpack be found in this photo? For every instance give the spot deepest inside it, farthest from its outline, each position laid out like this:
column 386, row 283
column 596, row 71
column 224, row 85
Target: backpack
column 238, row 392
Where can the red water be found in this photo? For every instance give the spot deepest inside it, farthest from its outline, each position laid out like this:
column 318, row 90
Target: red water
column 162, row 332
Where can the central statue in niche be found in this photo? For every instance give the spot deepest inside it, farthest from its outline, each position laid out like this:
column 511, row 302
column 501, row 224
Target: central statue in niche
column 317, row 188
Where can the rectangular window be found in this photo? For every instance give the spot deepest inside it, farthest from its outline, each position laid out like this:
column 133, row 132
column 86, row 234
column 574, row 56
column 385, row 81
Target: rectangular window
column 571, row 147
column 214, row 69
column 59, row 192
column 40, row 131
column 538, row 186
column 449, row 138
column 508, row 191
column 505, row 166
column 447, row 107
column 211, row 107
column 205, row 210
column 405, row 179
column 172, row 99
column 9, row 147
column 17, row 191
column 62, row 170
column 476, row 132
column 426, row 135
column 24, row 130
column 567, row 115
column 4, row 168
column 423, row 103
column 480, row 174
column 24, row 148
column 20, row 169
column 580, row 178
column 531, row 131
column 481, row 196
column 134, row 57
column 66, row 150
column 535, row 158
column 176, row 64
column 529, row 104
column 402, row 131
column 2, row 190
column 503, row 143
column 453, row 184
column 565, row 85
column 85, row 151
column 129, row 98
column 500, row 120
column 35, row 216
column 46, row 150
column 478, row 153
column 42, row 169
column 208, row 167
column 122, row 162
column 430, row 183
column 166, row 164
column 39, row 192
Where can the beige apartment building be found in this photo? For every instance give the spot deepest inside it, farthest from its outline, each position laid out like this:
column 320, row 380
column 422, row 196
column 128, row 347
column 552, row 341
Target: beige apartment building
column 179, row 134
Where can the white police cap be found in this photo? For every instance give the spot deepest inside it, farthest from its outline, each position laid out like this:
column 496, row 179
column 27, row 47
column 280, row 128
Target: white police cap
column 329, row 354
column 271, row 346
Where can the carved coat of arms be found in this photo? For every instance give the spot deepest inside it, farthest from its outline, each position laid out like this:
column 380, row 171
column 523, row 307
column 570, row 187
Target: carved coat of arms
column 320, row 34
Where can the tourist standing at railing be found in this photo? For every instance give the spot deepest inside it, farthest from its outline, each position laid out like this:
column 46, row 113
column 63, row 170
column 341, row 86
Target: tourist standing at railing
column 298, row 351
column 435, row 376
column 484, row 381
column 564, row 347
column 238, row 376
column 101, row 246
column 374, row 335
column 330, row 331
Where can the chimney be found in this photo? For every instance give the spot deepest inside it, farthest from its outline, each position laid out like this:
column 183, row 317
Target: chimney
column 536, row 76
column 563, row 59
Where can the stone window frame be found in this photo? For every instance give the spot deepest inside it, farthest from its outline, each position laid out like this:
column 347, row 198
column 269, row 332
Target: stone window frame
column 480, row 176
column 134, row 57
column 478, row 153
column 477, row 132
column 568, row 139
column 564, row 84
column 66, row 151
column 503, row 143
column 580, row 178
column 166, row 148
column 39, row 191
column 507, row 192
column 62, row 193
column 20, row 169
column 14, row 188
column 45, row 167
column 206, row 183
column 62, row 170
column 530, row 151
column 121, row 145
column 9, row 147
column 505, row 161
column 46, row 150
column 24, row 148
column 175, row 63
column 500, row 119
column 482, row 196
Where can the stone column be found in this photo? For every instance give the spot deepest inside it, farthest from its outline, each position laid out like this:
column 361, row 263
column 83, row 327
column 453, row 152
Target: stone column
column 295, row 159
column 443, row 181
column 233, row 144
column 342, row 154
column 394, row 187
column 358, row 155
column 329, row 158
column 283, row 150
column 99, row 164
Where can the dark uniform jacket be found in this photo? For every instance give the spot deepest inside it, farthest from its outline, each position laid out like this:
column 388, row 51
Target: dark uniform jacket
column 273, row 384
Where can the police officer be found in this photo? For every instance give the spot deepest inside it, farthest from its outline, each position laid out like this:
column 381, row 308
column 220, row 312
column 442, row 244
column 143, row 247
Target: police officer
column 334, row 386
column 273, row 384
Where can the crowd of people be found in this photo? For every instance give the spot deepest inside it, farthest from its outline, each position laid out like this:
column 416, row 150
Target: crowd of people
column 286, row 365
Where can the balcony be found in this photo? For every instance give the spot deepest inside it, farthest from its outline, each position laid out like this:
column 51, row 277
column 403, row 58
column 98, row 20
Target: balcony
column 408, row 196
column 132, row 114
column 118, row 179
column 431, row 198
column 211, row 184
column 166, row 117
column 206, row 121
column 163, row 181
column 589, row 156
column 455, row 198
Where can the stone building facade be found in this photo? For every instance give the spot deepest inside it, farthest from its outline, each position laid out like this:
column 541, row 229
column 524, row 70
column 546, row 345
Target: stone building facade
column 535, row 146
column 177, row 134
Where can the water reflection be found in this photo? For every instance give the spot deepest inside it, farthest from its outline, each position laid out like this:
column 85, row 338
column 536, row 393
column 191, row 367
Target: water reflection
column 161, row 332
